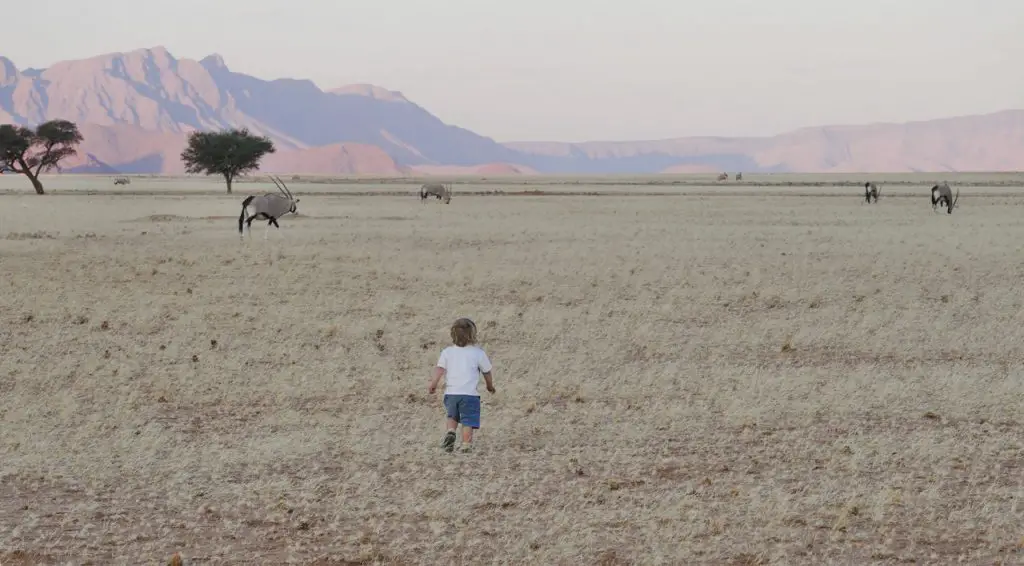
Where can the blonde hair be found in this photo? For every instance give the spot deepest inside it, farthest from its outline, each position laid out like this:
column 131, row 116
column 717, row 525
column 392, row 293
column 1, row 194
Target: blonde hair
column 463, row 332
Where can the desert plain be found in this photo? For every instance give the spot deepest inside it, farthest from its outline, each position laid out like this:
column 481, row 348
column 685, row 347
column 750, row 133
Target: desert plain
column 765, row 372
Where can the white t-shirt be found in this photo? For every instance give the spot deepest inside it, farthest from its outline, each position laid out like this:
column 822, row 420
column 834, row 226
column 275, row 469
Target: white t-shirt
column 463, row 366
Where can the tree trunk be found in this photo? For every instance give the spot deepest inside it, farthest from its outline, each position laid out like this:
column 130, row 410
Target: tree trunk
column 27, row 171
column 36, row 184
column 228, row 179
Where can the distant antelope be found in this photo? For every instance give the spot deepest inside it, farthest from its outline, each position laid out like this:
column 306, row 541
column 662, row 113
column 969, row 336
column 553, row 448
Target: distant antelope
column 438, row 190
column 942, row 195
column 739, row 176
column 871, row 190
column 270, row 206
column 122, row 181
column 723, row 177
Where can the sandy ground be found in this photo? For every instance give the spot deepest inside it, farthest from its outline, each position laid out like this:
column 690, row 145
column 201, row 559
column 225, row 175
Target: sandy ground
column 698, row 380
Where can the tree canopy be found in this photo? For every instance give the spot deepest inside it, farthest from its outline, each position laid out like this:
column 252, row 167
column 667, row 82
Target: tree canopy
column 229, row 153
column 31, row 152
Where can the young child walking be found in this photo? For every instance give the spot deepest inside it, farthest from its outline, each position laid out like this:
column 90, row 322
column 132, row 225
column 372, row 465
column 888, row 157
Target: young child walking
column 461, row 365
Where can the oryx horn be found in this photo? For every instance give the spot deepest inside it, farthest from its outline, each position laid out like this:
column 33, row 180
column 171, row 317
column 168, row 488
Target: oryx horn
column 282, row 187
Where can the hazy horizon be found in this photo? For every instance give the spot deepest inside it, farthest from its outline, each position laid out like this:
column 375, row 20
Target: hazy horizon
column 578, row 71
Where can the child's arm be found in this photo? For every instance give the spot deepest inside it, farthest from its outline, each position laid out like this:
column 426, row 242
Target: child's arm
column 438, row 374
column 440, row 369
column 485, row 368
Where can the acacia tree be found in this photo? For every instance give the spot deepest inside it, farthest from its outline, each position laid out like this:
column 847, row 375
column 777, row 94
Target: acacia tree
column 31, row 152
column 229, row 153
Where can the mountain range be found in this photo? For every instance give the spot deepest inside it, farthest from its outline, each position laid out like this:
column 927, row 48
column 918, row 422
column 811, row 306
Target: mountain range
column 135, row 110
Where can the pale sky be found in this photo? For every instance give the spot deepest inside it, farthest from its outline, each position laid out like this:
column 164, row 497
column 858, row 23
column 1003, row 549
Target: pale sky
column 579, row 70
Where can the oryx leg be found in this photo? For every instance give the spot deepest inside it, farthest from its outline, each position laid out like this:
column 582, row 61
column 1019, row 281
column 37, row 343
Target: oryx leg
column 271, row 221
column 248, row 221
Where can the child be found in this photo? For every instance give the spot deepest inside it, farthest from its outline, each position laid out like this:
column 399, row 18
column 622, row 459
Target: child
column 461, row 365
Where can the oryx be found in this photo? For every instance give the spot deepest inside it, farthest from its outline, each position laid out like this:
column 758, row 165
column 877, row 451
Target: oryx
column 871, row 190
column 723, row 177
column 438, row 190
column 269, row 205
column 739, row 176
column 943, row 195
column 122, row 181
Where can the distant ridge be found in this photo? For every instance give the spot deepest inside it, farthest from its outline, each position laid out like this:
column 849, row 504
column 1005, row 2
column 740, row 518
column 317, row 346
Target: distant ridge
column 136, row 109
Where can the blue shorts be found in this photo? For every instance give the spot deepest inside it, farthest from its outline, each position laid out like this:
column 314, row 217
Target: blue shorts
column 463, row 409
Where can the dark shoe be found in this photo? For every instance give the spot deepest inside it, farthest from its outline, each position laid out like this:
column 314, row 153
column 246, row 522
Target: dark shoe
column 449, row 441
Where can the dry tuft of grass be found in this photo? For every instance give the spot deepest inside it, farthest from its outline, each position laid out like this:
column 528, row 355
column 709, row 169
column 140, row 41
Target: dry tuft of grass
column 700, row 380
column 36, row 235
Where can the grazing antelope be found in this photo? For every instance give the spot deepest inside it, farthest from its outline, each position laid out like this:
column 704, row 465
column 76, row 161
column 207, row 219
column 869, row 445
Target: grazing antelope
column 122, row 181
column 871, row 190
column 942, row 195
column 270, row 206
column 723, row 177
column 438, row 190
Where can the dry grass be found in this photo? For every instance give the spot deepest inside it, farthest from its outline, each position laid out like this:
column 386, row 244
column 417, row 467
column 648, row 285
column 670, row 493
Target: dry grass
column 705, row 380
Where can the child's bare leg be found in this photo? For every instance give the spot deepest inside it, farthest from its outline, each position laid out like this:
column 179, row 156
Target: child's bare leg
column 467, row 434
column 449, row 436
